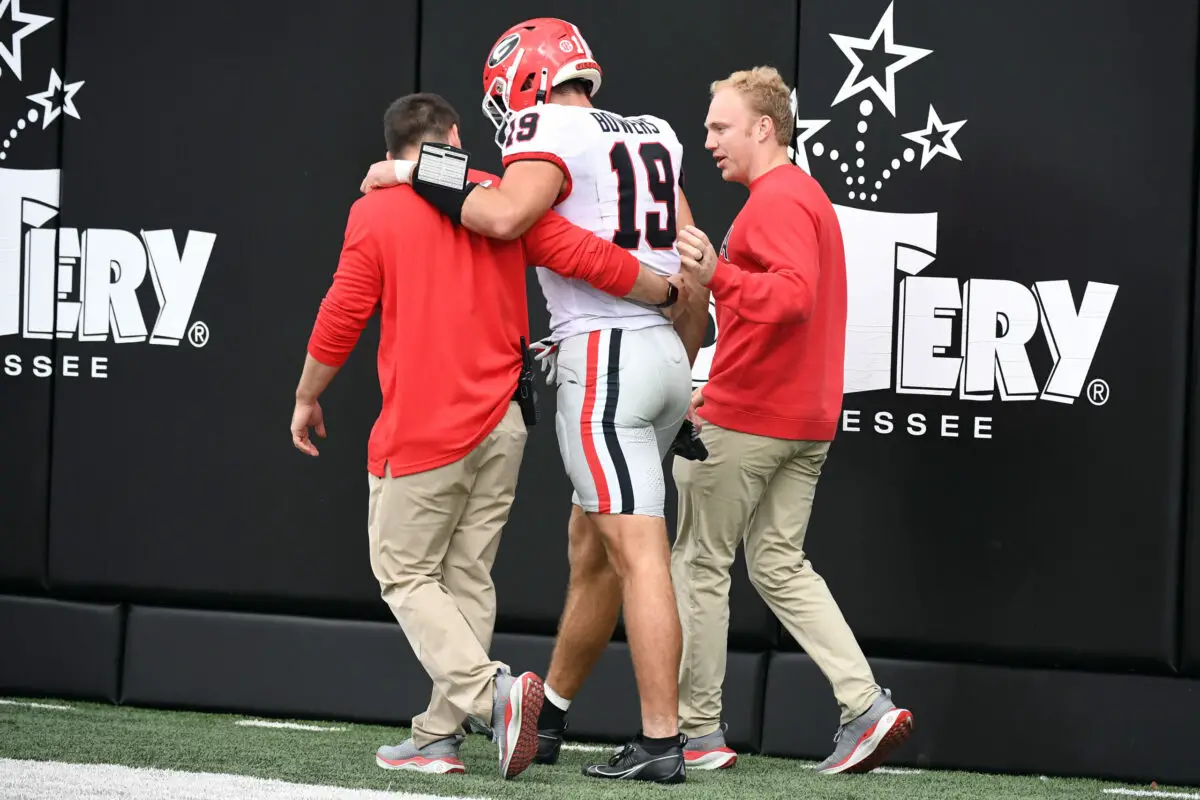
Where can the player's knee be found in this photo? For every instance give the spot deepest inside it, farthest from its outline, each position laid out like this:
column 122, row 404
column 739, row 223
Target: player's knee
column 586, row 550
column 636, row 543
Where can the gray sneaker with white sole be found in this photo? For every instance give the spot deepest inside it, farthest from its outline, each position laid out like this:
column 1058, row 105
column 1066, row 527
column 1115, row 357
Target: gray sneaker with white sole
column 439, row 758
column 865, row 741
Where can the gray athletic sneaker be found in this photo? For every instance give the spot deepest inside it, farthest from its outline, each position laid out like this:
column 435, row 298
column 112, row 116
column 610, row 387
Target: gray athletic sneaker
column 865, row 741
column 516, row 704
column 440, row 757
column 709, row 751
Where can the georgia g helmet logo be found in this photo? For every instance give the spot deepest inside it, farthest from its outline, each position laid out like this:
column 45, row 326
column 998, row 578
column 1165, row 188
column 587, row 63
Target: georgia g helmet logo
column 503, row 50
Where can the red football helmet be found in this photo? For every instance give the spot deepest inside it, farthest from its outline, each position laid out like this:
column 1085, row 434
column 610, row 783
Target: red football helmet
column 529, row 60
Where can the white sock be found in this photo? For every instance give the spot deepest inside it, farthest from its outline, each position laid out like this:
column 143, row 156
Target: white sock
column 560, row 703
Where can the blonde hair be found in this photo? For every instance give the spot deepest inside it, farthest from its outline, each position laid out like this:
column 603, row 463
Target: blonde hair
column 766, row 94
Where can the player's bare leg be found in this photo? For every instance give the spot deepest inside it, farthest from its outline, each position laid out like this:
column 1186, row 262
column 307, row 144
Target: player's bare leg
column 585, row 628
column 590, row 614
column 640, row 556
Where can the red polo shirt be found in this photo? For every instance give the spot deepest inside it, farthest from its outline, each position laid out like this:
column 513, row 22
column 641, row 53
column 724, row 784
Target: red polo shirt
column 452, row 310
column 780, row 291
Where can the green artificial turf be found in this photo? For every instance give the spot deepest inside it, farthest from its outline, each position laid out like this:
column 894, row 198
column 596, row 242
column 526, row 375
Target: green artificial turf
column 197, row 742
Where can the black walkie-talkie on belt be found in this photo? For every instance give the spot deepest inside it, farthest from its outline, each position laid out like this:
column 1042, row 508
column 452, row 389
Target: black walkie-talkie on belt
column 526, row 394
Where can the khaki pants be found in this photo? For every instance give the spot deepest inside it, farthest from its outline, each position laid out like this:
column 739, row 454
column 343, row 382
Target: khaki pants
column 433, row 540
column 756, row 490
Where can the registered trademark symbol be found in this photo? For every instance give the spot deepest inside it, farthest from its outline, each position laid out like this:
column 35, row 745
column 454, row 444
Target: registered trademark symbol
column 1097, row 392
column 198, row 334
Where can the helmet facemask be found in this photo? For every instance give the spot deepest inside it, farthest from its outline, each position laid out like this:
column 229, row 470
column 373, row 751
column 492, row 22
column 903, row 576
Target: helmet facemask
column 495, row 108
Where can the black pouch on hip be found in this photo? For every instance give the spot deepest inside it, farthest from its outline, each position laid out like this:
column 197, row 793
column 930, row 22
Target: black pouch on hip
column 526, row 395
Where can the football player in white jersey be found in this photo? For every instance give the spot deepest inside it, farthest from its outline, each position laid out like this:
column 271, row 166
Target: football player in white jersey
column 623, row 370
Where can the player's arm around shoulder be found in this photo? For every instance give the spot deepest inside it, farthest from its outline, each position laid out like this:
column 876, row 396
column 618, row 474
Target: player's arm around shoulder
column 508, row 210
column 536, row 176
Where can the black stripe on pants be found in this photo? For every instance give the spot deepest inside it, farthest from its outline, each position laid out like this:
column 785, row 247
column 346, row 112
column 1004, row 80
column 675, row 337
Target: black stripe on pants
column 610, row 430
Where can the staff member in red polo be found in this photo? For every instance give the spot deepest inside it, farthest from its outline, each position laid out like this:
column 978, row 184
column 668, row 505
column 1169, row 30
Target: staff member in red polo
column 768, row 415
column 445, row 451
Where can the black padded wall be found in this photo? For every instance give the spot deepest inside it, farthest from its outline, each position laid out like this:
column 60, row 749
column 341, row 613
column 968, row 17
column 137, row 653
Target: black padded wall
column 215, row 159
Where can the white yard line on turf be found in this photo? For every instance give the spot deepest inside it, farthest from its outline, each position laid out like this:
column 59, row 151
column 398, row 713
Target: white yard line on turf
column 1151, row 793
column 49, row 780
column 35, row 705
column 291, row 726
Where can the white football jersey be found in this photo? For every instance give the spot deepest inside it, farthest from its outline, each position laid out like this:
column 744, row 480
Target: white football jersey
column 623, row 180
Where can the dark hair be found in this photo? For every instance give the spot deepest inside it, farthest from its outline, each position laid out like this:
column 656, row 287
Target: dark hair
column 416, row 118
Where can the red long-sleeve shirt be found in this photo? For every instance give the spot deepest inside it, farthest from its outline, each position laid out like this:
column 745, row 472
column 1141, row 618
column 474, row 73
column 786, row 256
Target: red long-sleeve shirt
column 452, row 311
column 780, row 291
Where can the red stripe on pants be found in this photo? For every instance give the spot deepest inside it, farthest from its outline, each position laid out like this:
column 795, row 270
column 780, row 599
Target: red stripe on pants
column 585, row 423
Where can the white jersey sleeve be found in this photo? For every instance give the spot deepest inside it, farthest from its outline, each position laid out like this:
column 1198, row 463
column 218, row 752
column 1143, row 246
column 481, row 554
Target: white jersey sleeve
column 546, row 133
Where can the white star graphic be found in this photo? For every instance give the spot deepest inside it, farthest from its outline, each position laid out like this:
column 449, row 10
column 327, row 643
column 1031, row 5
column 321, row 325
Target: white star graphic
column 935, row 125
column 46, row 99
column 849, row 44
column 12, row 53
column 805, row 129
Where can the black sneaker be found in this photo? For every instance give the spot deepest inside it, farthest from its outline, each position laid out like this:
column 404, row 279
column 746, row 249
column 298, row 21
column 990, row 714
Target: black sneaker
column 634, row 763
column 549, row 742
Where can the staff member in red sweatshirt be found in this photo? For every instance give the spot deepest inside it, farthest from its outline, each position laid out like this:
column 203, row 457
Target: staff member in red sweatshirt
column 767, row 415
column 444, row 454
